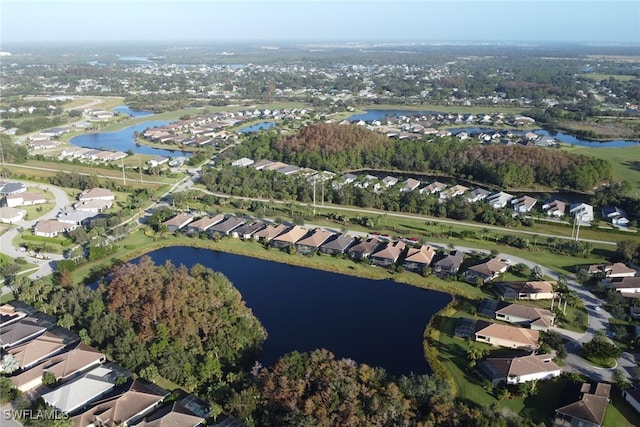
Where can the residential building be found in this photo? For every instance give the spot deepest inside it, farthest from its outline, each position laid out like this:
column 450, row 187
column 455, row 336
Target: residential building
column 627, row 286
column 93, row 205
column 76, row 218
column 363, row 249
column 536, row 318
column 179, row 221
column 499, row 200
column 125, row 408
column 270, row 231
column 456, row 190
column 243, row 162
column 10, row 188
column 9, row 314
column 523, row 204
column 531, row 290
column 434, row 187
column 261, row 164
column 417, row 259
column 389, row 254
column 507, row 336
column 632, row 395
column 313, row 241
column 96, row 194
column 73, row 395
column 615, row 215
column 26, row 198
column 19, row 332
column 450, row 264
column 616, row 270
column 227, row 226
column 478, row 194
column 588, row 410
column 554, row 208
column 246, row 231
column 339, row 244
column 36, row 350
column 289, row 237
column 63, row 366
column 486, row 271
column 11, row 215
column 390, row 181
column 174, row 414
column 519, row 370
column 410, row 184
column 203, row 224
column 581, row 211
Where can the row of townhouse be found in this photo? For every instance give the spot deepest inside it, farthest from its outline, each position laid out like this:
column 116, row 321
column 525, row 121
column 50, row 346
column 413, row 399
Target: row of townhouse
column 91, row 154
column 88, row 388
column 618, row 276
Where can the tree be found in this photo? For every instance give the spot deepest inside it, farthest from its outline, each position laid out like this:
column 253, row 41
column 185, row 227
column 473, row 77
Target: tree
column 9, row 364
column 475, row 352
column 536, row 273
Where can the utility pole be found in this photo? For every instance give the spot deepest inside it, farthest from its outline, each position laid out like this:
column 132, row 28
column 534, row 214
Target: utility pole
column 124, row 179
column 314, row 195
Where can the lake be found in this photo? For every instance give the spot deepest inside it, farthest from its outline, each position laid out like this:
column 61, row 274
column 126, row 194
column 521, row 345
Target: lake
column 380, row 323
column 370, row 115
column 124, row 109
column 123, row 140
column 256, row 127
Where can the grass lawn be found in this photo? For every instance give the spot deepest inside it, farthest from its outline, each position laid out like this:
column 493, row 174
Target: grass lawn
column 620, row 413
column 625, row 161
column 621, row 77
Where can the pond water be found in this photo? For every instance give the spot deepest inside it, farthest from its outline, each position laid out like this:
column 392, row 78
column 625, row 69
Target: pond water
column 124, row 109
column 560, row 136
column 124, row 140
column 256, row 127
column 380, row 323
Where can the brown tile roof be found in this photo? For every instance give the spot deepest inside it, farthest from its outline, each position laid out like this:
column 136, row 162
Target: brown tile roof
column 533, row 287
column 8, row 314
column 294, row 234
column 270, row 231
column 526, row 337
column 524, row 365
column 316, row 239
column 526, row 312
column 37, row 349
column 591, row 407
column 175, row 415
column 365, row 246
column 423, row 255
column 121, row 408
column 627, row 283
column 179, row 220
column 490, row 267
column 391, row 251
column 19, row 331
column 206, row 222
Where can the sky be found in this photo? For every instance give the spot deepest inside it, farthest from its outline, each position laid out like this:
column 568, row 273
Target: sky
column 572, row 21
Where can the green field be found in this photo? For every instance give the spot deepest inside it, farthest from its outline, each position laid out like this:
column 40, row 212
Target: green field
column 599, row 77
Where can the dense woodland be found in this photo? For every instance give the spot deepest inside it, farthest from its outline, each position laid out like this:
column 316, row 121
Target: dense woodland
column 338, row 148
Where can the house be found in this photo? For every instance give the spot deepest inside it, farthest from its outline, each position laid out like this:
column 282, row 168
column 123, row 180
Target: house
column 554, row 208
column 615, row 215
column 523, row 204
column 9, row 188
column 588, row 410
column 227, row 226
column 539, row 319
column 632, row 395
column 434, row 187
column 92, row 205
column 246, row 231
column 418, row 259
column 158, row 161
column 269, row 232
column 125, row 408
column 36, row 350
column 348, row 178
column 11, row 215
column 610, row 271
column 74, row 395
column 486, row 271
column 179, row 221
column 243, row 162
column 175, row 414
column 19, row 332
column 450, row 264
column 390, row 181
column 456, row 190
column 627, row 286
column 261, row 164
column 581, row 211
column 518, row 370
column 312, row 242
column 337, row 244
column 388, row 255
column 363, row 249
column 24, row 199
column 96, row 194
column 478, row 194
column 9, row 314
column 499, row 200
column 75, row 218
column 506, row 336
column 289, row 237
column 63, row 366
column 203, row 224
column 410, row 184
column 532, row 290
